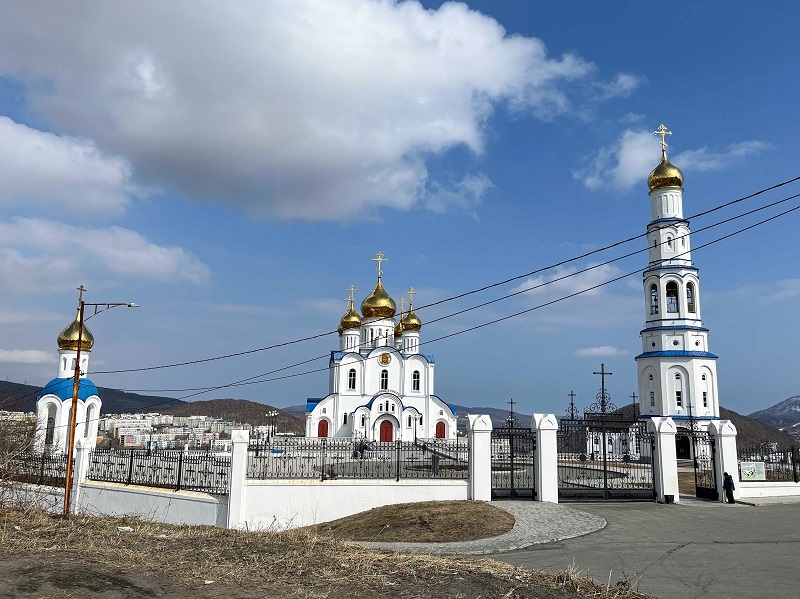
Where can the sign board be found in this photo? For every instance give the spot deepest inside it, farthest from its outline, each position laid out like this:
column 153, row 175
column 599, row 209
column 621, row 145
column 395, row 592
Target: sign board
column 752, row 471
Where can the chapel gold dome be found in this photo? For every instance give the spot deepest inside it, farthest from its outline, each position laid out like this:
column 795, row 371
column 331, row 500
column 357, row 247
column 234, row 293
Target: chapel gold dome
column 665, row 174
column 350, row 320
column 398, row 330
column 68, row 339
column 378, row 304
column 411, row 321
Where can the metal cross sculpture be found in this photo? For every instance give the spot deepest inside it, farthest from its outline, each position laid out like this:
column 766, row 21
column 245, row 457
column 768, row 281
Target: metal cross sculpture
column 379, row 258
column 603, row 404
column 511, row 420
column 662, row 131
column 572, row 411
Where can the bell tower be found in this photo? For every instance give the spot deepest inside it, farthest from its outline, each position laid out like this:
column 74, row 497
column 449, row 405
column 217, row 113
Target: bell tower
column 677, row 374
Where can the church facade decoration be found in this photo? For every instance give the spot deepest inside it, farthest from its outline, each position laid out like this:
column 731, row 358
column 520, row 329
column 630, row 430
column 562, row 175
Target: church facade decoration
column 380, row 387
column 677, row 373
column 54, row 406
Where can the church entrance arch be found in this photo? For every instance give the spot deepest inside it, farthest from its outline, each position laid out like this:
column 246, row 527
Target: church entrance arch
column 441, row 431
column 682, row 451
column 322, row 428
column 700, row 455
column 386, row 432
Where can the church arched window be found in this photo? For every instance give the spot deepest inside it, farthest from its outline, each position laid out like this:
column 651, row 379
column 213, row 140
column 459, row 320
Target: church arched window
column 669, row 242
column 409, row 422
column 653, row 299
column 384, row 380
column 344, row 419
column 415, row 380
column 672, row 297
column 690, row 297
column 351, row 379
column 363, row 420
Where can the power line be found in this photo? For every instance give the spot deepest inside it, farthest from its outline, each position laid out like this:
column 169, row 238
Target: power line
column 452, row 298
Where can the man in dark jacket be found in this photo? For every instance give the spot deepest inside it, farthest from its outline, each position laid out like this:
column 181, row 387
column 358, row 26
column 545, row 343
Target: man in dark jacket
column 727, row 484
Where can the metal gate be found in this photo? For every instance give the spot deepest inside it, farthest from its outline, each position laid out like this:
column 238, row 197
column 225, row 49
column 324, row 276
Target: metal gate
column 704, row 453
column 513, row 475
column 603, row 456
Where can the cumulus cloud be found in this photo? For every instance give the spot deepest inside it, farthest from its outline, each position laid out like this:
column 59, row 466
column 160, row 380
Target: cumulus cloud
column 566, row 280
column 25, row 356
column 601, row 351
column 45, row 169
column 39, row 255
column 302, row 109
column 629, row 160
column 621, row 86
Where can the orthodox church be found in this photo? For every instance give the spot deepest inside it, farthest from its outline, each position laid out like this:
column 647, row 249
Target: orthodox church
column 54, row 406
column 677, row 374
column 380, row 386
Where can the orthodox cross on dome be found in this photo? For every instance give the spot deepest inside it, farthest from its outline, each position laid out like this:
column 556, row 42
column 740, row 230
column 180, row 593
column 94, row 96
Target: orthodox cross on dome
column 402, row 304
column 351, row 298
column 80, row 289
column 380, row 258
column 663, row 132
column 411, row 293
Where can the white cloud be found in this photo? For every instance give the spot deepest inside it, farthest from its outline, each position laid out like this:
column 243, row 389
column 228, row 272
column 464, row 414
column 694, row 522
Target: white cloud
column 466, row 194
column 26, row 356
column 45, row 169
column 302, row 109
column 566, row 280
column 630, row 159
column 621, row 86
column 601, row 351
column 39, row 255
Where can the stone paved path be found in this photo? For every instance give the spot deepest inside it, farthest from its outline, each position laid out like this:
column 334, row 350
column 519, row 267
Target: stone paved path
column 536, row 522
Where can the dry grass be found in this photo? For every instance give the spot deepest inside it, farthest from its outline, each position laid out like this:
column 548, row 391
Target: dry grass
column 291, row 564
column 426, row 522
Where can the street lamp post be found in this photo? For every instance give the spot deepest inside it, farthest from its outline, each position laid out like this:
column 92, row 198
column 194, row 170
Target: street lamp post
column 76, row 381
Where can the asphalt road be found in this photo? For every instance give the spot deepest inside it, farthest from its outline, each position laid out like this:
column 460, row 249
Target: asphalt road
column 693, row 550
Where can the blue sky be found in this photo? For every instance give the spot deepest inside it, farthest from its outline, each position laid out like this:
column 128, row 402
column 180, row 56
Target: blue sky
column 234, row 167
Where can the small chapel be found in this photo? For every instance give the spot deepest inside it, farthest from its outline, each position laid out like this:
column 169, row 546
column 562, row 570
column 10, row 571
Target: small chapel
column 381, row 387
column 54, row 406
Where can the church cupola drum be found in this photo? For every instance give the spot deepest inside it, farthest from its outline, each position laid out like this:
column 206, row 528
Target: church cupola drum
column 380, row 386
column 677, row 373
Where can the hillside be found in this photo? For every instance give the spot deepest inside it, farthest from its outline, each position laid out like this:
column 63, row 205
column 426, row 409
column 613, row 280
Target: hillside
column 783, row 414
column 21, row 397
column 239, row 410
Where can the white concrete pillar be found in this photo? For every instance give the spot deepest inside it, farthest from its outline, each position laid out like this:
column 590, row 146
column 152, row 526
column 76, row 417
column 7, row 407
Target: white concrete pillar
column 240, row 440
column 83, row 457
column 726, row 458
column 545, row 458
column 480, row 457
column 665, row 460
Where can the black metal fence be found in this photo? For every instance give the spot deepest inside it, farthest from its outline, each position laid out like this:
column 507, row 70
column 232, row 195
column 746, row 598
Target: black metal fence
column 168, row 469
column 779, row 463
column 329, row 459
column 36, row 468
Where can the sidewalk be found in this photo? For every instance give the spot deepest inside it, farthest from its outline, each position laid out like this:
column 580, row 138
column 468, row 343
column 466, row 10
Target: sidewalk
column 536, row 523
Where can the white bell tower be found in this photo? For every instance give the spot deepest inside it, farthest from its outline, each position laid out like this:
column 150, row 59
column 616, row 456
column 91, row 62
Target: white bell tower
column 677, row 374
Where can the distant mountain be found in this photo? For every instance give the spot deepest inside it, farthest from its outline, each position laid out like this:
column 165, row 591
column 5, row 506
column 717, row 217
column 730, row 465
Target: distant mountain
column 20, row 397
column 783, row 415
column 240, row 410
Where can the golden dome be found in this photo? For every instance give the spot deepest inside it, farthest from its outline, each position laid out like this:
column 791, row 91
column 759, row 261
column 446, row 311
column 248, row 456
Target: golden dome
column 411, row 321
column 68, row 339
column 378, row 304
column 350, row 320
column 665, row 174
column 398, row 330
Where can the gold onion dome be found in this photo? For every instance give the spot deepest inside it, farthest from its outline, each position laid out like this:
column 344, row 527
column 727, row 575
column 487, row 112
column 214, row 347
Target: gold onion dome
column 411, row 322
column 68, row 339
column 665, row 174
column 378, row 304
column 398, row 330
column 350, row 320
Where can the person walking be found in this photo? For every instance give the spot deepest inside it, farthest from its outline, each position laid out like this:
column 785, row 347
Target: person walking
column 727, row 484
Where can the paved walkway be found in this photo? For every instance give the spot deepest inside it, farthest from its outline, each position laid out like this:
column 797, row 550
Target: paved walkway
column 535, row 523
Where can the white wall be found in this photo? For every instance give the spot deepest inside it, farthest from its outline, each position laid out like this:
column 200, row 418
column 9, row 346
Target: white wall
column 161, row 505
column 293, row 503
column 767, row 489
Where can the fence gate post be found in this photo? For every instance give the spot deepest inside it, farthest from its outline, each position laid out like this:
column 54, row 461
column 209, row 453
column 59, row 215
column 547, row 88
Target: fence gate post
column 240, row 440
column 727, row 458
column 545, row 457
column 83, row 456
column 480, row 457
column 665, row 460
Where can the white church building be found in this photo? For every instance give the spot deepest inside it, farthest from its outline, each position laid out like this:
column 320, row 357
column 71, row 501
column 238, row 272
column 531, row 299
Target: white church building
column 677, row 373
column 54, row 406
column 380, row 388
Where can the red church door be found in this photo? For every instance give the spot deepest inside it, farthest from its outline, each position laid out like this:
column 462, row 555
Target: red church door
column 387, row 432
column 440, row 430
column 322, row 428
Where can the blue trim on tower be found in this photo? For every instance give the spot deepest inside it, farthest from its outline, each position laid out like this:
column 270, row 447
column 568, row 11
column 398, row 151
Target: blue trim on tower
column 669, row 267
column 673, row 328
column 677, row 353
column 312, row 402
column 671, row 219
column 664, row 319
column 62, row 388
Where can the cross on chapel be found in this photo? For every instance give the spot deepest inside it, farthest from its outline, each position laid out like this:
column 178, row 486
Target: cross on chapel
column 380, row 258
column 663, row 132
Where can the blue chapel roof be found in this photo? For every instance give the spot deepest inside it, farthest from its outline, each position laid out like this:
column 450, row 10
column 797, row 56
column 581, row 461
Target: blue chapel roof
column 62, row 387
